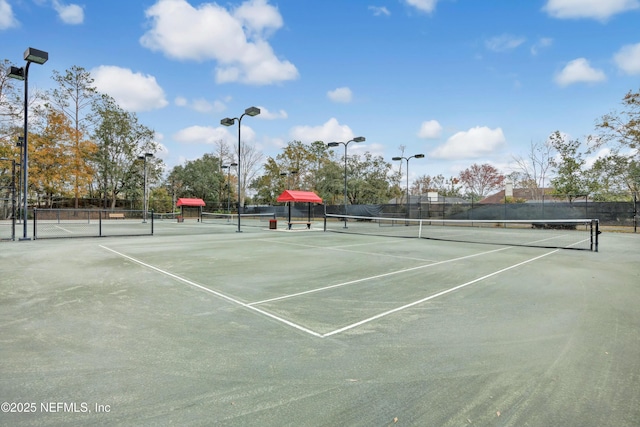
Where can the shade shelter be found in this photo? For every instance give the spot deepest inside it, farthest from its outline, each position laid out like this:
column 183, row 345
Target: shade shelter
column 297, row 196
column 190, row 203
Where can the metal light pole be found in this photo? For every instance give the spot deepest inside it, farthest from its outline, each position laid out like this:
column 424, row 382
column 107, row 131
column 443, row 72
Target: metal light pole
column 22, row 73
column 335, row 144
column 417, row 156
column 228, row 121
column 288, row 175
column 228, row 168
column 13, row 196
column 145, row 202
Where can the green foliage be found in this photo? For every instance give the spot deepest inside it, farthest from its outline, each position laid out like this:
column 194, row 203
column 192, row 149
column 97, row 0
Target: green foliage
column 202, row 178
column 120, row 140
column 621, row 130
column 160, row 200
column 569, row 180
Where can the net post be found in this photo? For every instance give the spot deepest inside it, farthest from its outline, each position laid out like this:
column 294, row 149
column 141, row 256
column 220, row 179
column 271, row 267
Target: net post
column 35, row 223
column 152, row 216
column 325, row 221
column 597, row 233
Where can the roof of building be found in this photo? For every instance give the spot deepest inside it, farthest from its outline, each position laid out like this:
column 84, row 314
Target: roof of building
column 184, row 201
column 299, row 196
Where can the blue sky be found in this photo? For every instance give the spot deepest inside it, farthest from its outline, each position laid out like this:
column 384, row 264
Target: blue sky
column 462, row 81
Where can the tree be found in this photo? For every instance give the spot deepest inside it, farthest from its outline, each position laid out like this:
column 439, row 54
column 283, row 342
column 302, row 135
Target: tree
column 532, row 171
column 250, row 159
column 439, row 184
column 612, row 177
column 121, row 139
column 74, row 95
column 621, row 130
column 480, row 180
column 11, row 103
column 160, row 200
column 568, row 167
column 50, row 159
column 269, row 185
column 367, row 179
column 199, row 178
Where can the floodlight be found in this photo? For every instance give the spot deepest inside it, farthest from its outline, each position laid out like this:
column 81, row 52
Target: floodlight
column 252, row 111
column 35, row 55
column 16, row 73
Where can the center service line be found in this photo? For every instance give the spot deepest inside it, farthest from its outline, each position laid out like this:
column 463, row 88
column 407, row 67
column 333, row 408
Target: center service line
column 218, row 294
column 364, row 279
column 395, row 310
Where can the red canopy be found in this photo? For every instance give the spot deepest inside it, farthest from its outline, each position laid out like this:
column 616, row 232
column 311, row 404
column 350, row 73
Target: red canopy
column 190, row 202
column 299, row 196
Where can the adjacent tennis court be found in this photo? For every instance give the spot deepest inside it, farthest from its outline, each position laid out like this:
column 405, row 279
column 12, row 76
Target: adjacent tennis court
column 201, row 325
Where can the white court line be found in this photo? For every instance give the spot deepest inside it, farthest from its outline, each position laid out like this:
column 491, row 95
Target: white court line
column 351, row 282
column 64, row 229
column 216, row 293
column 395, row 310
column 345, row 328
column 340, row 249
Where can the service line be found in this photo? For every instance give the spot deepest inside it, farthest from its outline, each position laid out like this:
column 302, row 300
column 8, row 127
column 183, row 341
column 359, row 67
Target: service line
column 455, row 288
column 364, row 279
column 211, row 291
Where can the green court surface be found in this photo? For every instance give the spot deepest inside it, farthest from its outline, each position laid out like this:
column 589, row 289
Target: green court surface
column 201, row 325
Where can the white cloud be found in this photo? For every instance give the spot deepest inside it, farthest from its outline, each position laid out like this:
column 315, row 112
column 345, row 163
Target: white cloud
column 201, row 105
column 379, row 10
column 504, row 43
column 328, row 132
column 211, row 135
column 579, row 71
column 272, row 115
column 259, row 17
column 69, row 13
column 590, row 160
column 132, row 91
column 341, row 94
column 628, row 59
column 7, row 19
column 427, row 6
column 474, row 143
column 430, row 130
column 201, row 135
column 543, row 42
column 235, row 40
column 593, row 9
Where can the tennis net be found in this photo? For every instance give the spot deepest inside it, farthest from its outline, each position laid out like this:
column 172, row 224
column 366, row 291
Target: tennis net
column 566, row 233
column 248, row 219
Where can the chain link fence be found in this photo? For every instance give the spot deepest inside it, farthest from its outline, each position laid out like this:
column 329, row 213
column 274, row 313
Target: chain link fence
column 68, row 223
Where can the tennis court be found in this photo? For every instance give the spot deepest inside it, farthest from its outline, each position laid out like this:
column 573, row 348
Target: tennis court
column 201, row 325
